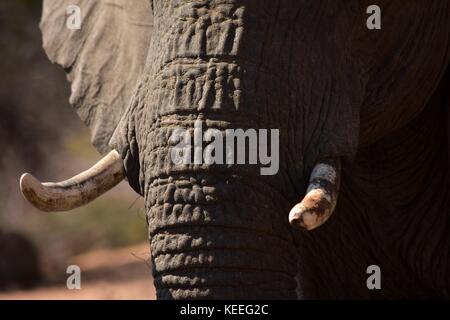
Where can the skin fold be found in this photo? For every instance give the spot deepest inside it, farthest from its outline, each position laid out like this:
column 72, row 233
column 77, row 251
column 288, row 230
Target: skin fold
column 376, row 99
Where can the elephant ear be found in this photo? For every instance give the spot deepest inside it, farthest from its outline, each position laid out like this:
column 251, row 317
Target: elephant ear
column 403, row 62
column 103, row 59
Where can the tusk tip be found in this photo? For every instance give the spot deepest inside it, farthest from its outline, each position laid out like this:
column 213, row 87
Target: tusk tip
column 304, row 218
column 296, row 217
column 27, row 183
column 30, row 187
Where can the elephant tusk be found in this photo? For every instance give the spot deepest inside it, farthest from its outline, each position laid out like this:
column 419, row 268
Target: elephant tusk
column 321, row 196
column 76, row 191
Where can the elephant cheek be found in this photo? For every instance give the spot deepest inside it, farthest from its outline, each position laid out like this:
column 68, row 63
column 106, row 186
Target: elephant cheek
column 218, row 238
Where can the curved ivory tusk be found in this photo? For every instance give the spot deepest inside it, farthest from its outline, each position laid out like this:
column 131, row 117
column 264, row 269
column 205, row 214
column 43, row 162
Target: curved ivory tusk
column 321, row 196
column 76, row 191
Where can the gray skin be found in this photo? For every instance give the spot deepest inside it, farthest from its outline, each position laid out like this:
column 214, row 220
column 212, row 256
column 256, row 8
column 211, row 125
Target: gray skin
column 377, row 99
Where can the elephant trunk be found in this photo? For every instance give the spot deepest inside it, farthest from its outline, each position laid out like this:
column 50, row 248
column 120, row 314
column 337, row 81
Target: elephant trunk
column 217, row 237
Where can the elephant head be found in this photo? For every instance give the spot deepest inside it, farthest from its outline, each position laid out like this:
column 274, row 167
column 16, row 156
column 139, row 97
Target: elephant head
column 343, row 98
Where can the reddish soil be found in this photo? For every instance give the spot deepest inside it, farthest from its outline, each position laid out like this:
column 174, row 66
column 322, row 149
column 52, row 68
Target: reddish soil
column 111, row 274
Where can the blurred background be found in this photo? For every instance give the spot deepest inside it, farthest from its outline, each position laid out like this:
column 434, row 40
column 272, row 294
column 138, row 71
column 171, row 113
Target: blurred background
column 40, row 133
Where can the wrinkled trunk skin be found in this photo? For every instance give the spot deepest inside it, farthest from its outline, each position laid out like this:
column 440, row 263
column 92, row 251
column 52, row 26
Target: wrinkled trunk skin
column 216, row 231
column 221, row 231
column 211, row 239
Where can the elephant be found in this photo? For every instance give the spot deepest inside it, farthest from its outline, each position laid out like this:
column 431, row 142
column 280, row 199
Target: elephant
column 363, row 117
